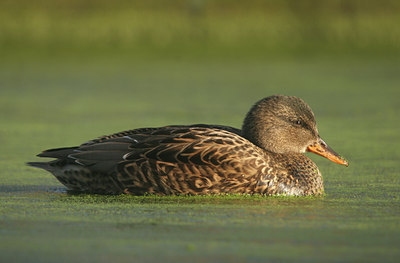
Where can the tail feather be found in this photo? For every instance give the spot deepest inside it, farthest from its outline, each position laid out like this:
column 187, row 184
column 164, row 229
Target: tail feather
column 58, row 153
column 43, row 165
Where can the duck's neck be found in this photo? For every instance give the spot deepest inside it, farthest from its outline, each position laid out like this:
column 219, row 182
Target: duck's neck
column 252, row 132
column 263, row 138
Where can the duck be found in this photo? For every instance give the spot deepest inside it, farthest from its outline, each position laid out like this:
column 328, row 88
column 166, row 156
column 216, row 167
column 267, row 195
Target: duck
column 266, row 156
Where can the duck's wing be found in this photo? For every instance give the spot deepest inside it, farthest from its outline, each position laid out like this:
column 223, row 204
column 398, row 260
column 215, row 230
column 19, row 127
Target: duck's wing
column 191, row 145
column 119, row 141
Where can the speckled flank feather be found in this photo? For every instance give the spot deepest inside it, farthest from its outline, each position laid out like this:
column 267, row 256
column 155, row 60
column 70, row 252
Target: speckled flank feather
column 196, row 159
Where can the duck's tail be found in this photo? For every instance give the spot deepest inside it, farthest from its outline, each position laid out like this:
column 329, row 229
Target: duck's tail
column 59, row 153
column 43, row 165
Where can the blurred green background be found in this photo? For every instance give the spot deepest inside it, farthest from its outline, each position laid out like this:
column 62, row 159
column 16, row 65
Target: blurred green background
column 73, row 70
column 202, row 27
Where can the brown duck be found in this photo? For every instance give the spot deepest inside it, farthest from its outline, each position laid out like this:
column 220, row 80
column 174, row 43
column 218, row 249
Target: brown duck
column 265, row 157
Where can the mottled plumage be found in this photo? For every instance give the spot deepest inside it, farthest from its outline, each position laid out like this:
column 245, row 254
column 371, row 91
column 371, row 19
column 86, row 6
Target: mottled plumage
column 264, row 157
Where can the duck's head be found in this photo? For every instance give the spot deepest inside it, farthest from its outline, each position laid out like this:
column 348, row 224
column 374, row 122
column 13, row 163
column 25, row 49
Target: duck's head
column 286, row 124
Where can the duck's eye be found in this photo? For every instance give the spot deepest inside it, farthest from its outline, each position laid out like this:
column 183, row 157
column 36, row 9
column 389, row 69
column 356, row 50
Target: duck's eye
column 298, row 122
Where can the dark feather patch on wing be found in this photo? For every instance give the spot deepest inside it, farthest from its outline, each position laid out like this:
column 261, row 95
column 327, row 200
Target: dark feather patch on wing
column 58, row 152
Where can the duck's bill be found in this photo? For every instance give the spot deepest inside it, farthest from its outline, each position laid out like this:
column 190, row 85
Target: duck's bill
column 321, row 148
